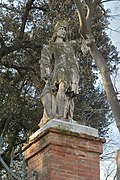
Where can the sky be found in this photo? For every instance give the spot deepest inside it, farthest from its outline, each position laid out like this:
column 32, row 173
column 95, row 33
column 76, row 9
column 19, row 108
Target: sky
column 114, row 137
column 114, row 30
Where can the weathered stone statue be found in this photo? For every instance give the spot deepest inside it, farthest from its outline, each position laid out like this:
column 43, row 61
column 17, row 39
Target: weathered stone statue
column 59, row 70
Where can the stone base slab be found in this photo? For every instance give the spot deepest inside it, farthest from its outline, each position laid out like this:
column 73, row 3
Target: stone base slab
column 67, row 126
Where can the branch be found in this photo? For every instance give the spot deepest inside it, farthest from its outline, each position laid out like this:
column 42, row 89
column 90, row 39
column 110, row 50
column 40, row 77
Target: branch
column 108, row 1
column 102, row 8
column 25, row 16
column 82, row 20
column 8, row 169
column 40, row 8
column 89, row 14
column 5, row 123
column 85, row 21
column 18, row 68
column 91, row 5
column 107, row 82
column 115, row 30
column 2, row 43
column 17, row 46
column 3, row 5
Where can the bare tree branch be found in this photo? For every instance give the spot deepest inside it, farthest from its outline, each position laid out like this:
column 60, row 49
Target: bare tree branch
column 108, row 1
column 44, row 8
column 18, row 68
column 85, row 20
column 91, row 5
column 25, row 16
column 5, row 6
column 82, row 19
column 118, row 164
column 107, row 82
column 20, row 45
column 2, row 43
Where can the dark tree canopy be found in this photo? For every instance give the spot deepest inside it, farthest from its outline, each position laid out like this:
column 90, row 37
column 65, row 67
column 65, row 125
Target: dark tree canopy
column 24, row 27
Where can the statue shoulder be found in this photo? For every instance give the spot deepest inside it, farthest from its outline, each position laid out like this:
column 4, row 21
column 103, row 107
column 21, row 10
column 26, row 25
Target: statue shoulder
column 45, row 47
column 73, row 41
column 72, row 44
column 46, row 50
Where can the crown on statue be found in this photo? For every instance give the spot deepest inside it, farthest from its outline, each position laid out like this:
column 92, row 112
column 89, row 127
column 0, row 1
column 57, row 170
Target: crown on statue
column 61, row 23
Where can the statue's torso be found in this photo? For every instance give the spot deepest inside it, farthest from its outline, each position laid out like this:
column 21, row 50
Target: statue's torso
column 65, row 67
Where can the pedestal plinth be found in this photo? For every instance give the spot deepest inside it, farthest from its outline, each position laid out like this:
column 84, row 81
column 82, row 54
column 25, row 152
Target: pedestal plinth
column 64, row 151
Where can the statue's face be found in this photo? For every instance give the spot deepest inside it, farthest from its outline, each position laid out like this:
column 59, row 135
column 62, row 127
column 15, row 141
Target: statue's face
column 61, row 32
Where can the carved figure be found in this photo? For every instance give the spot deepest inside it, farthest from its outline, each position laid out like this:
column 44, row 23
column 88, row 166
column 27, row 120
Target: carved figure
column 59, row 70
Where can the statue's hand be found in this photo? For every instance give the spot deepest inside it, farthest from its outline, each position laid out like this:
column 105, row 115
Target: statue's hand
column 90, row 39
column 86, row 43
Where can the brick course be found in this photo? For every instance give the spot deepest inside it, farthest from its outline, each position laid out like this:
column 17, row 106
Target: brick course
column 59, row 155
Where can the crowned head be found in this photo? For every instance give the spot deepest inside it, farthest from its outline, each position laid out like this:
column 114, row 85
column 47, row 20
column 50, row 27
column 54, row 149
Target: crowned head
column 61, row 23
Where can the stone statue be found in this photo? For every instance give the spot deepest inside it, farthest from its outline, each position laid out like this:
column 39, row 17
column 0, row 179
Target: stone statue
column 59, row 71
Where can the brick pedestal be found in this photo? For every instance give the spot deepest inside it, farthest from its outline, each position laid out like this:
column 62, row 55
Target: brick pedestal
column 64, row 151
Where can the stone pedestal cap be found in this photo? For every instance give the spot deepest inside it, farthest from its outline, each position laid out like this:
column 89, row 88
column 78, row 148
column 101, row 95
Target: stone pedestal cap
column 66, row 126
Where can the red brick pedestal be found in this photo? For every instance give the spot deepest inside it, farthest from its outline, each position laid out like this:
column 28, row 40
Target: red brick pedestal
column 59, row 154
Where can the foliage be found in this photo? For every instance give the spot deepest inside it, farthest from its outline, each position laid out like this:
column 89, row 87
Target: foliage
column 25, row 27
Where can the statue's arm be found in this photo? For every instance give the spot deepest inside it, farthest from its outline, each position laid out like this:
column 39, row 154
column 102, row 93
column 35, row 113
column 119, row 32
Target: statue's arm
column 45, row 63
column 83, row 44
column 76, row 44
column 86, row 43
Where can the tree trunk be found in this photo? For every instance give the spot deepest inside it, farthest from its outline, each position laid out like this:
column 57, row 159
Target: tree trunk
column 102, row 65
column 118, row 164
column 108, row 86
column 110, row 92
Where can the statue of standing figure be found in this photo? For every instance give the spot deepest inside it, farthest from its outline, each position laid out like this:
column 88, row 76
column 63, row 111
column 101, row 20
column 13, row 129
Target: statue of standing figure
column 59, row 71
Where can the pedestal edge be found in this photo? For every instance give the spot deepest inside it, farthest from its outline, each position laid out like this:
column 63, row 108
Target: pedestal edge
column 59, row 128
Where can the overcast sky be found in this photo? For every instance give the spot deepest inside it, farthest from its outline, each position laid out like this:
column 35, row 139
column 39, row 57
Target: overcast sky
column 114, row 34
column 114, row 30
